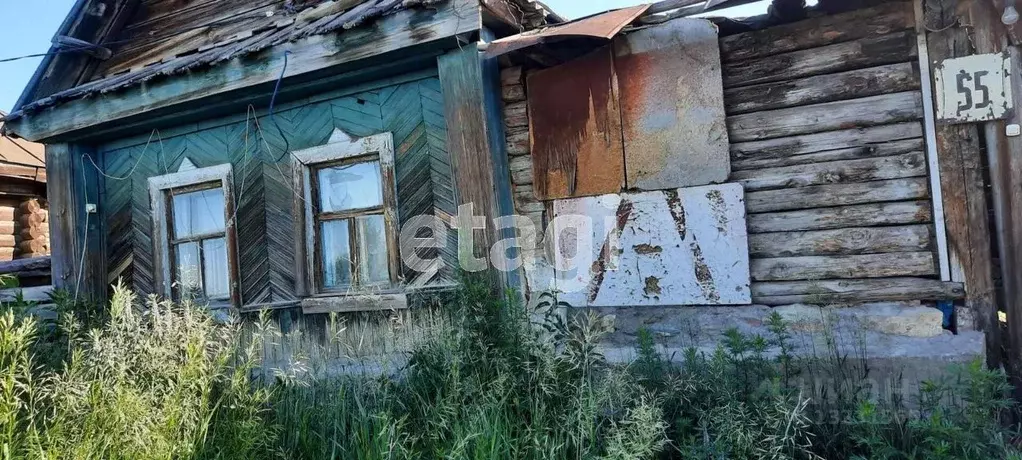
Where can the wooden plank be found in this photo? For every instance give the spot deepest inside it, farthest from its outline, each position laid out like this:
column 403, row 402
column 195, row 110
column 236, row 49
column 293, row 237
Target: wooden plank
column 830, row 116
column 863, row 215
column 828, row 292
column 820, row 196
column 7, row 213
column 817, row 32
column 62, row 215
column 30, row 294
column 853, row 153
column 22, row 265
column 575, row 128
column 6, row 227
column 963, row 191
column 853, row 84
column 821, row 142
column 348, row 304
column 391, row 33
column 846, row 241
column 844, row 267
column 8, row 241
column 867, row 52
column 475, row 149
column 846, row 171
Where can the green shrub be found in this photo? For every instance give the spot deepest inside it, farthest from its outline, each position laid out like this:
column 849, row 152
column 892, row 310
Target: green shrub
column 157, row 381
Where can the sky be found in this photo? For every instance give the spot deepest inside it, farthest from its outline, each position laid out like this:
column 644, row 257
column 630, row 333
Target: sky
column 33, row 23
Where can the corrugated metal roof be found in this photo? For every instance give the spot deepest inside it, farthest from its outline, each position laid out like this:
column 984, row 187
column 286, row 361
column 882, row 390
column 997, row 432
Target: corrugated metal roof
column 271, row 23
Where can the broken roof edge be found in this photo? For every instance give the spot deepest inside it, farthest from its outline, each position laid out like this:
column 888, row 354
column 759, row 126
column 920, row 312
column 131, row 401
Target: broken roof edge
column 68, row 115
column 604, row 25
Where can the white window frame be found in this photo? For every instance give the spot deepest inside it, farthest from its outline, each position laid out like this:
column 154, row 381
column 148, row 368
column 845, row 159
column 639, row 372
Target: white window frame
column 341, row 148
column 160, row 188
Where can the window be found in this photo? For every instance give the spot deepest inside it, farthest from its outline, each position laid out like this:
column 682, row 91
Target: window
column 194, row 237
column 350, row 215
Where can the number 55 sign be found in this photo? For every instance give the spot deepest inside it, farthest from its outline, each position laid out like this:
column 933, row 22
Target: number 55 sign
column 974, row 88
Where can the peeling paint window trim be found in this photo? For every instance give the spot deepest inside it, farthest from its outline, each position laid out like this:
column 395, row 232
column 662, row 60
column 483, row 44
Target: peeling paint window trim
column 162, row 190
column 344, row 151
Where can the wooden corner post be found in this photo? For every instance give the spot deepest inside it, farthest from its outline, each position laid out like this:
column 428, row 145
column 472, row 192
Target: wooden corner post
column 72, row 189
column 962, row 184
column 473, row 109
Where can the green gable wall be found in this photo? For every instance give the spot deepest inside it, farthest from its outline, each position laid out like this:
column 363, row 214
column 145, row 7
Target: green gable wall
column 263, row 188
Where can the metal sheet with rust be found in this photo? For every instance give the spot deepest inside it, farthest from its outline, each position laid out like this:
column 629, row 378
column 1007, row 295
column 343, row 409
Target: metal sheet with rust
column 605, row 26
column 675, row 247
column 672, row 106
column 575, row 130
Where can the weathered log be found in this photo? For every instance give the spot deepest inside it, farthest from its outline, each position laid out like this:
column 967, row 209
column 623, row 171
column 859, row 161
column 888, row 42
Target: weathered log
column 34, row 219
column 830, row 116
column 846, row 241
column 34, row 247
column 847, row 171
column 30, row 294
column 521, row 170
column 820, row 142
column 852, row 153
column 513, row 93
column 853, row 84
column 6, row 213
column 863, row 215
column 23, row 265
column 868, row 52
column 6, row 254
column 30, row 206
column 854, row 291
column 35, row 233
column 8, row 241
column 820, row 196
column 844, row 267
column 6, row 227
column 518, row 143
column 511, row 76
column 817, row 32
column 516, row 115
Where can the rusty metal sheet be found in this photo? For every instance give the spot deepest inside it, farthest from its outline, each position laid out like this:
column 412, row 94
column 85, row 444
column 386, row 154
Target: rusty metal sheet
column 576, row 129
column 664, row 248
column 605, row 25
column 672, row 105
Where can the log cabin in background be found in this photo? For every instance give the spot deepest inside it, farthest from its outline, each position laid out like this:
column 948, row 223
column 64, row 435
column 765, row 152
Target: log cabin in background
column 24, row 223
column 787, row 163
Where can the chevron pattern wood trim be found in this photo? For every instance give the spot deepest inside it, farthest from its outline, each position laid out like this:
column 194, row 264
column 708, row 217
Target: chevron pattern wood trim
column 263, row 186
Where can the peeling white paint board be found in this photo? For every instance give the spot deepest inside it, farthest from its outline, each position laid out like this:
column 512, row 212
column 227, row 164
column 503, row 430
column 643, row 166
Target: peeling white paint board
column 974, row 88
column 684, row 246
column 672, row 106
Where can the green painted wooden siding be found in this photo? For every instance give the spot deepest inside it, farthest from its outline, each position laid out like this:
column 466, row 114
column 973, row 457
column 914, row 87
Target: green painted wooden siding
column 263, row 187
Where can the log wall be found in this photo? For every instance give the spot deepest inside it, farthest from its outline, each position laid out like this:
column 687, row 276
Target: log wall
column 825, row 121
column 826, row 132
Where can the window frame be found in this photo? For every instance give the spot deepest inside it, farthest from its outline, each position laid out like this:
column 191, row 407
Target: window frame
column 161, row 192
column 342, row 150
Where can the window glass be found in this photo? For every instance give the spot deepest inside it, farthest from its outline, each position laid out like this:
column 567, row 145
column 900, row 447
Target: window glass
column 355, row 186
column 198, row 213
column 214, row 268
column 372, row 261
column 336, row 244
column 189, row 276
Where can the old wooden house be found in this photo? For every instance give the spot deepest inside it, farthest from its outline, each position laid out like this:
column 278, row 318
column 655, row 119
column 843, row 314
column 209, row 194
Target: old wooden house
column 24, row 232
column 272, row 155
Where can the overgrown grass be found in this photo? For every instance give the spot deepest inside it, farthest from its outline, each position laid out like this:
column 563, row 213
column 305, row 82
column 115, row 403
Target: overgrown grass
column 150, row 380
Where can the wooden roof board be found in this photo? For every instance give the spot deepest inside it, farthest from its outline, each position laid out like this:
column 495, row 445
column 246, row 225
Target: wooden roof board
column 206, row 40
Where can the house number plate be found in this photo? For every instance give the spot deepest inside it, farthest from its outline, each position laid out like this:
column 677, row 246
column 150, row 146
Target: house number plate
column 974, row 88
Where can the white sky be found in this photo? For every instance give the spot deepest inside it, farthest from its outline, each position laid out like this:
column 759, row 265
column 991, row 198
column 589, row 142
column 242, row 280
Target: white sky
column 578, row 8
